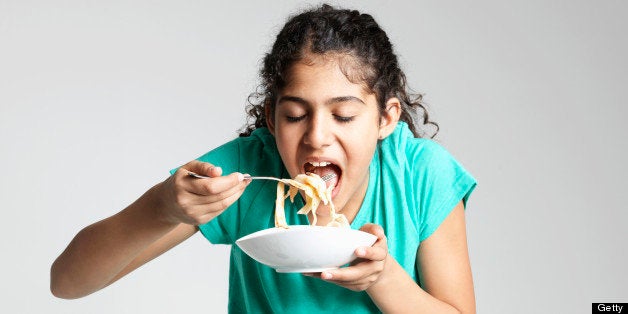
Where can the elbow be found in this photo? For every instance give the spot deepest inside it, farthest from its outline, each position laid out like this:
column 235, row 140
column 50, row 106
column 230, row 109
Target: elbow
column 61, row 286
column 60, row 293
column 64, row 291
column 57, row 288
column 64, row 294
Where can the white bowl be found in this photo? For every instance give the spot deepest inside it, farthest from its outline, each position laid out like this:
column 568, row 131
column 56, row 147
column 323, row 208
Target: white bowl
column 304, row 249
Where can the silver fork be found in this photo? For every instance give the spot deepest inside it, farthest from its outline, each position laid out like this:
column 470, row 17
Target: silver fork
column 325, row 178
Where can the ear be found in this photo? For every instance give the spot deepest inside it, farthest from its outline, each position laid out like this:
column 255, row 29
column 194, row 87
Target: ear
column 389, row 118
column 270, row 120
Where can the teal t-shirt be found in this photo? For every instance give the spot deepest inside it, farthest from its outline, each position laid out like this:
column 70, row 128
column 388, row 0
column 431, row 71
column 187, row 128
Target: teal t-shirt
column 413, row 185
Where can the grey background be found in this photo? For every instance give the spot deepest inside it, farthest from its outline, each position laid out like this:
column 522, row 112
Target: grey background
column 98, row 100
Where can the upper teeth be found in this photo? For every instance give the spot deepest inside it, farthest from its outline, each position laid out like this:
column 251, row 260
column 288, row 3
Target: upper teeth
column 319, row 164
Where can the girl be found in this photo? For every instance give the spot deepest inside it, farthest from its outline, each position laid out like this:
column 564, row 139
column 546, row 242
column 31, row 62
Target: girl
column 333, row 100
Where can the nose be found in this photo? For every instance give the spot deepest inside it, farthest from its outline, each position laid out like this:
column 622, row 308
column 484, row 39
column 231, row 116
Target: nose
column 319, row 133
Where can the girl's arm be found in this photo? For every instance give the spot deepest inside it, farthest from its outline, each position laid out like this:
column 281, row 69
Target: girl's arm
column 109, row 249
column 445, row 274
column 444, row 266
column 163, row 217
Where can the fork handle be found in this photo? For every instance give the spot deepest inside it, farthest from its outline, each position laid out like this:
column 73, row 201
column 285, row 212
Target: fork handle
column 246, row 177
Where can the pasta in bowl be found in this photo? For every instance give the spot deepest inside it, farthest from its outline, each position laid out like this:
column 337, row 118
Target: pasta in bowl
column 305, row 248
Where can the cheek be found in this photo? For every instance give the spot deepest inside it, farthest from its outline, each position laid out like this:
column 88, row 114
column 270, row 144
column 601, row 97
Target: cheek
column 367, row 134
column 361, row 153
column 286, row 145
column 283, row 144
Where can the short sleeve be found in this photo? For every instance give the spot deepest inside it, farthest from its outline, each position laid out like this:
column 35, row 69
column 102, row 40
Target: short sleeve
column 442, row 183
column 255, row 154
column 218, row 230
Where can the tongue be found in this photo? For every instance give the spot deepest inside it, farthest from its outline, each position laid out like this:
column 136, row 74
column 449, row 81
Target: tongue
column 322, row 171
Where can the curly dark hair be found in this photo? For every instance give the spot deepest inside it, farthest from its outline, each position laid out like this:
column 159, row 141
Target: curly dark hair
column 372, row 61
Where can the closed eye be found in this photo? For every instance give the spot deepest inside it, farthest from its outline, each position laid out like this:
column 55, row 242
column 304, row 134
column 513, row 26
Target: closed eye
column 295, row 119
column 343, row 119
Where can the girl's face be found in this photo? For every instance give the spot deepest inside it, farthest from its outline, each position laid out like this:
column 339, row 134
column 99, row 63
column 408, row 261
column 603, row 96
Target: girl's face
column 325, row 123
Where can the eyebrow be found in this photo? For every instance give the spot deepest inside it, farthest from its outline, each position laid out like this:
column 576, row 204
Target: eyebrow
column 328, row 102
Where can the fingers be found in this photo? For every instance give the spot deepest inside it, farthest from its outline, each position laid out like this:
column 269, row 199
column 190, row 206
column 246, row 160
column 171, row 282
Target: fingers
column 366, row 269
column 216, row 186
column 196, row 209
column 374, row 229
column 377, row 252
column 214, row 209
column 222, row 198
column 198, row 200
column 202, row 168
column 357, row 277
column 370, row 262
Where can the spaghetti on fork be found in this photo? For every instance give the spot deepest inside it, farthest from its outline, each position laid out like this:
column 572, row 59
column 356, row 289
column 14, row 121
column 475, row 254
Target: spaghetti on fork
column 316, row 191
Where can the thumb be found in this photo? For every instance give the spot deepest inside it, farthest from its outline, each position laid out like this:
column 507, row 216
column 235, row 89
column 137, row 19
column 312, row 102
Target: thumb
column 374, row 229
column 203, row 168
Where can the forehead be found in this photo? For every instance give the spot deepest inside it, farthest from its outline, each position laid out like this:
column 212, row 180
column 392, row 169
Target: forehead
column 334, row 73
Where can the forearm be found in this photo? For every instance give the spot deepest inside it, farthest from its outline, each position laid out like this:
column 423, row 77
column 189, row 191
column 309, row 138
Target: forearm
column 396, row 292
column 102, row 250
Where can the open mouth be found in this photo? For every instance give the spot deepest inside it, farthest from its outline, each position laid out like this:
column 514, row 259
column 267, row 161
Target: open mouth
column 323, row 168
